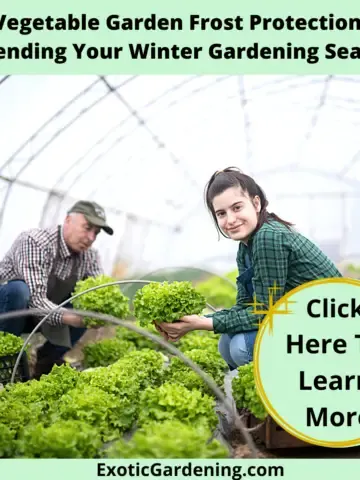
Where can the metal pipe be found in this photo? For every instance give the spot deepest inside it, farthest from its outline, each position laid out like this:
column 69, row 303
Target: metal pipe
column 42, row 321
column 207, row 379
column 157, row 339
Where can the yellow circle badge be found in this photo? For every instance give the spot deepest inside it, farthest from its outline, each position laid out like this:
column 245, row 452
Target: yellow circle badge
column 307, row 362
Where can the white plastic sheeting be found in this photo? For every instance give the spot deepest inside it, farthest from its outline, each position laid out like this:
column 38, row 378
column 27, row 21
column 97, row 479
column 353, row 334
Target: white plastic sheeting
column 144, row 147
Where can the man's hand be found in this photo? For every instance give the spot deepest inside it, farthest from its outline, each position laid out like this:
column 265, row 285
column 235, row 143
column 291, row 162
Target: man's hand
column 73, row 320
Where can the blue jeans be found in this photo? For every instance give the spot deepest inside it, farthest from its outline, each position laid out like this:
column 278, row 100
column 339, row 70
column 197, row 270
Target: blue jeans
column 237, row 349
column 15, row 295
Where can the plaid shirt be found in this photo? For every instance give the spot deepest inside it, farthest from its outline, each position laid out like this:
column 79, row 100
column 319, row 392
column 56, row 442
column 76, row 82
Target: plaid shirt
column 279, row 255
column 31, row 259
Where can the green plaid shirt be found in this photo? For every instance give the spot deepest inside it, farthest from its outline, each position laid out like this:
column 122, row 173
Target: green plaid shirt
column 279, row 255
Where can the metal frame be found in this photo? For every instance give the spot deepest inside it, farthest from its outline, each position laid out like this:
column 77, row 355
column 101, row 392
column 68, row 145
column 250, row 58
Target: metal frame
column 119, row 138
column 247, row 122
column 245, row 95
column 315, row 118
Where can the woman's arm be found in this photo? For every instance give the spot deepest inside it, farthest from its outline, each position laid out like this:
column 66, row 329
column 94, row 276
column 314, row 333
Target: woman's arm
column 270, row 260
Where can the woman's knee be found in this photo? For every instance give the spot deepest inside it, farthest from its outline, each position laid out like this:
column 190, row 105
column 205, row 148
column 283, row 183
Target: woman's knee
column 224, row 349
column 240, row 350
column 224, row 343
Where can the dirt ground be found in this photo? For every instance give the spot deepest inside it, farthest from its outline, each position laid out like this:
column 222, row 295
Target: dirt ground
column 74, row 356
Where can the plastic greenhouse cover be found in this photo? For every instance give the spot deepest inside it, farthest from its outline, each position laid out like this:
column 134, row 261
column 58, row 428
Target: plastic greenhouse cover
column 144, row 147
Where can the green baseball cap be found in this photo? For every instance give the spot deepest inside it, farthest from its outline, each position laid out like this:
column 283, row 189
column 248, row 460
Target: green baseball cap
column 93, row 213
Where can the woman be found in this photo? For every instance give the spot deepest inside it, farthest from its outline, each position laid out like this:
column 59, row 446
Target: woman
column 270, row 252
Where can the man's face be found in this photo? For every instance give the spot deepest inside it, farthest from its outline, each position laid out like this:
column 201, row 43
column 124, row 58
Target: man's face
column 79, row 234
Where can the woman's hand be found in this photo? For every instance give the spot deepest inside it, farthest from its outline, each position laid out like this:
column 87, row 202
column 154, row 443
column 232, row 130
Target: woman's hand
column 186, row 324
column 161, row 331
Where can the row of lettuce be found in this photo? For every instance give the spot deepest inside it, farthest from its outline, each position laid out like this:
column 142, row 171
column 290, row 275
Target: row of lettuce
column 135, row 400
column 157, row 301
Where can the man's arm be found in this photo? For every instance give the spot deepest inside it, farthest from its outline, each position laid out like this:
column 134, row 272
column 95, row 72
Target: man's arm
column 93, row 268
column 93, row 264
column 34, row 267
column 270, row 263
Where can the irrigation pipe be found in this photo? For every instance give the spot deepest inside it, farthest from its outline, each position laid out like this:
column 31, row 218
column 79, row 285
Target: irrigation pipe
column 58, row 307
column 108, row 318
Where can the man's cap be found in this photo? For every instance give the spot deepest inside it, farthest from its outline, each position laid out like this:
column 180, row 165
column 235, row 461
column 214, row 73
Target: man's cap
column 93, row 213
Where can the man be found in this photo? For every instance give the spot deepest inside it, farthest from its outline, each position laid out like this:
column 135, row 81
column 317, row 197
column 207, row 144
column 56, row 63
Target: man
column 40, row 271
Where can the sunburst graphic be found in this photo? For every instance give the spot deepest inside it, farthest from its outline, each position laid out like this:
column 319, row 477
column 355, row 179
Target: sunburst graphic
column 271, row 310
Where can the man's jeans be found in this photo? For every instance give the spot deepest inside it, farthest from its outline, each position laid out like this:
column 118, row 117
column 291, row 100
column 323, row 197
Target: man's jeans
column 237, row 349
column 15, row 295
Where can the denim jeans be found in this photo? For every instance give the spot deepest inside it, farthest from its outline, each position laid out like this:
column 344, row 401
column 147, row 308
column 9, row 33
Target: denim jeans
column 15, row 295
column 237, row 349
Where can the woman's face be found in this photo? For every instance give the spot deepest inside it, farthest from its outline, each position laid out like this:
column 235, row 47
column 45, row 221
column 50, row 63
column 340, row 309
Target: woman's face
column 236, row 213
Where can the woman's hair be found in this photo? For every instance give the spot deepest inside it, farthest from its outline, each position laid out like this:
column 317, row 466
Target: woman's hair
column 233, row 177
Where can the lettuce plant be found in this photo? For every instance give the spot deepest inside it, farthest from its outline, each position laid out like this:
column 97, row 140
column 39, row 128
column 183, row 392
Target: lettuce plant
column 105, row 352
column 62, row 439
column 199, row 339
column 209, row 361
column 139, row 340
column 167, row 302
column 245, row 394
column 109, row 414
column 10, row 344
column 106, row 300
column 172, row 401
column 159, row 440
column 146, row 366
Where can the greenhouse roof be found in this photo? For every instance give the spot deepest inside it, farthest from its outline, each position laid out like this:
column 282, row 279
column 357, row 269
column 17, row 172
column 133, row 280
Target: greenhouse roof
column 145, row 146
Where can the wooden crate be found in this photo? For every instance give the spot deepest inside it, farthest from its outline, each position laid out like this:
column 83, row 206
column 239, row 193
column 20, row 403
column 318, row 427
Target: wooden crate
column 273, row 436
